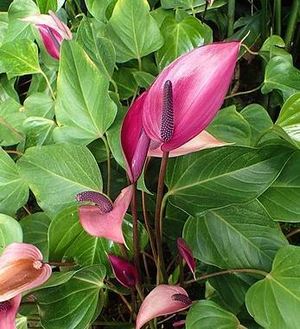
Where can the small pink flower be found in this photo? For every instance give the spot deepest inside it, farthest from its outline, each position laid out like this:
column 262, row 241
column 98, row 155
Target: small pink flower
column 124, row 271
column 8, row 312
column 104, row 218
column 52, row 30
column 21, row 268
column 162, row 300
column 187, row 254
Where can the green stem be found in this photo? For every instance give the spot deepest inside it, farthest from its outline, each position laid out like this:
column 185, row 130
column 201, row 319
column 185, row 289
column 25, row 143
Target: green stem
column 230, row 15
column 264, row 18
column 48, row 84
column 158, row 218
column 231, row 271
column 136, row 242
column 244, row 92
column 140, row 63
column 292, row 24
column 277, row 14
column 108, row 164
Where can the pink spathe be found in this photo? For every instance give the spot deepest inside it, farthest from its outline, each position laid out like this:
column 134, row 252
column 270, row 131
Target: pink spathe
column 21, row 268
column 8, row 312
column 107, row 225
column 187, row 254
column 162, row 300
column 200, row 80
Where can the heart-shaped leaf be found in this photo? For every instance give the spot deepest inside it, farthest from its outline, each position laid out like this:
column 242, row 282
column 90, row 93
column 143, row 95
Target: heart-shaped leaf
column 10, row 231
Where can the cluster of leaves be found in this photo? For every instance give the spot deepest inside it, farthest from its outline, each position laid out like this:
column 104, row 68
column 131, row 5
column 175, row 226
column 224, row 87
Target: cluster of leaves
column 59, row 131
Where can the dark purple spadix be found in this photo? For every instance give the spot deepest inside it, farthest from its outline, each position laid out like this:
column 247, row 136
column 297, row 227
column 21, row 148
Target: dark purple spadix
column 5, row 306
column 167, row 118
column 182, row 298
column 99, row 199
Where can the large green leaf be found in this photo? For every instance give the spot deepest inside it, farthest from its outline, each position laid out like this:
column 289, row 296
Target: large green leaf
column 10, row 231
column 56, row 173
column 46, row 5
column 245, row 229
column 133, row 31
column 181, row 37
column 17, row 29
column 274, row 301
column 100, row 49
column 230, row 126
column 280, row 74
column 3, row 25
column 282, row 198
column 73, row 304
column 13, row 189
column 206, row 314
column 19, row 58
column 39, row 105
column 289, row 117
column 98, row 8
column 38, row 131
column 84, row 109
column 12, row 117
column 223, row 176
column 67, row 239
column 35, row 230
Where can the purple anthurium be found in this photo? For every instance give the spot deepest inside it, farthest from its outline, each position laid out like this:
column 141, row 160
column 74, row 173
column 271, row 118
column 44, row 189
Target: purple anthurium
column 52, row 30
column 162, row 300
column 187, row 254
column 8, row 312
column 21, row 268
column 104, row 218
column 187, row 94
column 124, row 271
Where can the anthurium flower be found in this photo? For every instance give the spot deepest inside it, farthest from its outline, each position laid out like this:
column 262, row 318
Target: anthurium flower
column 21, row 268
column 162, row 300
column 134, row 141
column 187, row 254
column 124, row 271
column 104, row 218
column 187, row 94
column 52, row 30
column 8, row 312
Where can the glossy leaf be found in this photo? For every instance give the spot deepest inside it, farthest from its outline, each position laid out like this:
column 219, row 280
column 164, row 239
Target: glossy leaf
column 274, row 300
column 56, row 173
column 13, row 189
column 133, row 31
column 98, row 8
column 282, row 198
column 10, row 231
column 39, row 105
column 214, row 235
column 38, row 131
column 19, row 58
column 90, row 113
column 206, row 314
column 46, row 5
column 73, row 304
column 181, row 37
column 219, row 177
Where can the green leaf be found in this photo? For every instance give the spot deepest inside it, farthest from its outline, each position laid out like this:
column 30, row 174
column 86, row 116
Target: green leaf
column 39, row 105
column 12, row 117
column 282, row 198
column 35, row 230
column 17, row 29
column 38, row 131
column 13, row 189
column 98, row 8
column 289, row 117
column 280, row 74
column 133, row 31
column 90, row 113
column 274, row 301
column 143, row 79
column 246, row 229
column 10, row 231
column 56, row 173
column 46, row 5
column 206, row 314
column 127, row 85
column 273, row 46
column 230, row 126
column 73, row 304
column 21, row 322
column 223, row 176
column 259, row 121
column 67, row 239
column 19, row 58
column 100, row 49
column 181, row 37
column 3, row 25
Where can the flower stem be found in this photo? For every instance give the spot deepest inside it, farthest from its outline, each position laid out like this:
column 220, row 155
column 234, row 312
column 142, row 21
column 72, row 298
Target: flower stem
column 230, row 271
column 136, row 242
column 244, row 92
column 277, row 13
column 48, row 84
column 290, row 31
column 158, row 218
column 108, row 164
column 230, row 15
